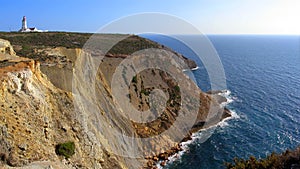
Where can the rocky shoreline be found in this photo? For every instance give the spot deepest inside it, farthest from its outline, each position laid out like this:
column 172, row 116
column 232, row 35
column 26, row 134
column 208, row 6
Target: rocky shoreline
column 163, row 158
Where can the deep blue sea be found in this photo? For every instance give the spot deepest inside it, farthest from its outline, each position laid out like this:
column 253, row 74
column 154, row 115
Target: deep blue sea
column 263, row 75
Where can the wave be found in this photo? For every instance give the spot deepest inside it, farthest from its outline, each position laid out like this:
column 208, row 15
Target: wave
column 227, row 95
column 224, row 122
column 196, row 136
column 193, row 69
column 196, row 68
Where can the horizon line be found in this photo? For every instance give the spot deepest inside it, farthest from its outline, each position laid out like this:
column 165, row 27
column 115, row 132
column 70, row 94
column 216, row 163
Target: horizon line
column 208, row 34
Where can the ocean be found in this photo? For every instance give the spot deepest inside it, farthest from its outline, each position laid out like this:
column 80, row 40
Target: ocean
column 263, row 77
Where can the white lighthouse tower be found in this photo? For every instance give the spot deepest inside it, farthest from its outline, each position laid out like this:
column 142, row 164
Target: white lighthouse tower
column 24, row 24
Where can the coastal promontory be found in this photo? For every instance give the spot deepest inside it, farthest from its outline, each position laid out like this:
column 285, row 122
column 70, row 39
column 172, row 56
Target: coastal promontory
column 40, row 126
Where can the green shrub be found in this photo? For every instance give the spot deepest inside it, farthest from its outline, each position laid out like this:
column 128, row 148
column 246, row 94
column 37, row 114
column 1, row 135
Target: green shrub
column 66, row 149
column 177, row 88
column 287, row 159
column 145, row 92
column 134, row 79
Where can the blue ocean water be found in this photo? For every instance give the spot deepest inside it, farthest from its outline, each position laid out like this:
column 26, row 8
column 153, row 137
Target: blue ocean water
column 263, row 75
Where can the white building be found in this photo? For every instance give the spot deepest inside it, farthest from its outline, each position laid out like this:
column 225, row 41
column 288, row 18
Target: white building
column 26, row 29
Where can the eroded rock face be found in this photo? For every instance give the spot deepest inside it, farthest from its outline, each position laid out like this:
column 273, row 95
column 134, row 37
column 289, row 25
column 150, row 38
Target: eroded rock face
column 35, row 116
column 6, row 48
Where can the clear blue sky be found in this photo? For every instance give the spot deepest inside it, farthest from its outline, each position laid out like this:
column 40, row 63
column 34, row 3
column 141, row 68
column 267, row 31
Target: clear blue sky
column 209, row 16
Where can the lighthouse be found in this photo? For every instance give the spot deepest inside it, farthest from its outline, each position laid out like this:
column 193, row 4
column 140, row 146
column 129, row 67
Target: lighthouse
column 24, row 24
column 26, row 29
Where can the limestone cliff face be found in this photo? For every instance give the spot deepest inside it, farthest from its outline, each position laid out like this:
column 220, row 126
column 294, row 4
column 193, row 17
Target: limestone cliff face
column 59, row 62
column 35, row 116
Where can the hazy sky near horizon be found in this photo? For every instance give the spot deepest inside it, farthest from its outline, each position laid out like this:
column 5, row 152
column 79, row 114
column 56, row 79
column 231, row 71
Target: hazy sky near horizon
column 209, row 16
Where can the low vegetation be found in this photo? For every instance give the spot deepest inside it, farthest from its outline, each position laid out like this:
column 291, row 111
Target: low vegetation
column 132, row 44
column 48, row 39
column 35, row 40
column 134, row 79
column 177, row 89
column 66, row 149
column 287, row 160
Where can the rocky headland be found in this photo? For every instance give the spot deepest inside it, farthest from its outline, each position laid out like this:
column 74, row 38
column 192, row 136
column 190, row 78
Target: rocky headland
column 39, row 125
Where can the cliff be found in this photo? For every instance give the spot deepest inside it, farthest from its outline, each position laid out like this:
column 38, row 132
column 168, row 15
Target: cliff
column 38, row 110
column 36, row 116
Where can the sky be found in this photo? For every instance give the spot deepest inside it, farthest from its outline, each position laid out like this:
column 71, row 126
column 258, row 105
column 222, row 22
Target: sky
column 208, row 16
